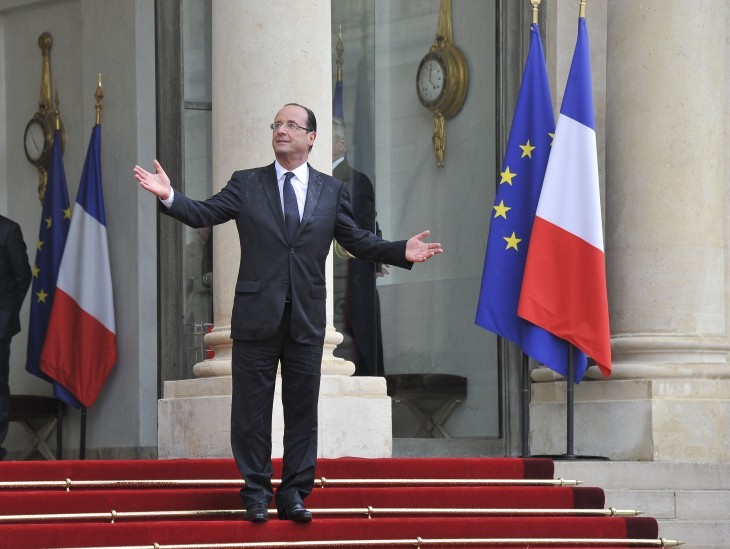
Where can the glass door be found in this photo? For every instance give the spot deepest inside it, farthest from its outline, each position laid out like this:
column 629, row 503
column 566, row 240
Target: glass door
column 417, row 328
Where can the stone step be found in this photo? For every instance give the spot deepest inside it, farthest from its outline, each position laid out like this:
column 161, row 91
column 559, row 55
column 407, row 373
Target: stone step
column 670, row 504
column 697, row 534
column 691, row 501
column 647, row 475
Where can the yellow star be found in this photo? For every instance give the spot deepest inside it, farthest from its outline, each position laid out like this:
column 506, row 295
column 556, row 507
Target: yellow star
column 527, row 149
column 42, row 296
column 39, row 245
column 507, row 176
column 36, row 270
column 501, row 210
column 49, row 222
column 67, row 213
column 552, row 137
column 512, row 241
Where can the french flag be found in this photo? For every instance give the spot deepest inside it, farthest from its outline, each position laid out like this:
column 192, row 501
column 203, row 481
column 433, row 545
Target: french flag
column 80, row 348
column 564, row 286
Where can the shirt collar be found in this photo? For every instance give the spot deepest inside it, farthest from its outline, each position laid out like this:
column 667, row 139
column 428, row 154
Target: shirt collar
column 337, row 162
column 300, row 172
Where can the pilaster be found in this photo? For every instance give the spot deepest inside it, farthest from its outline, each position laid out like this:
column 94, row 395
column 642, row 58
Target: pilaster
column 666, row 225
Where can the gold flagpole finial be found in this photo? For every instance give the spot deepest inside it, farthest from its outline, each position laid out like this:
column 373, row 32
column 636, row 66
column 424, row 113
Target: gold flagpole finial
column 99, row 94
column 535, row 5
column 57, row 111
column 582, row 9
column 340, row 51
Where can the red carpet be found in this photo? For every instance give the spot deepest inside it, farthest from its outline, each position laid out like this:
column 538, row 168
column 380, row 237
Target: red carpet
column 516, row 502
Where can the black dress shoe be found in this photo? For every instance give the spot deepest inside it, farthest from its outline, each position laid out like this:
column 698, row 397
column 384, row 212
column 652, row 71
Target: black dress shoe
column 295, row 512
column 258, row 512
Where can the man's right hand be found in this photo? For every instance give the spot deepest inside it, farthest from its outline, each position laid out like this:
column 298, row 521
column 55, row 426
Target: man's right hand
column 157, row 183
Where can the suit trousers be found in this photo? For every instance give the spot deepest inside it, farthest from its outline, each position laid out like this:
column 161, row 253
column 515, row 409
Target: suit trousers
column 4, row 391
column 254, row 366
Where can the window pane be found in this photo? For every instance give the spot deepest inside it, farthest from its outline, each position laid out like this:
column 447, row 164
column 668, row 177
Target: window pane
column 426, row 316
column 197, row 158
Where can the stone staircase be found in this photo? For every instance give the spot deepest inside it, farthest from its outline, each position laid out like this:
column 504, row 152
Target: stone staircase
column 358, row 502
column 691, row 501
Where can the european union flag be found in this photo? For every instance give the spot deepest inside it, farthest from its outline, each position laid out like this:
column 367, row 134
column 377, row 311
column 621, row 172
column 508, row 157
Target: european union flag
column 337, row 100
column 337, row 110
column 513, row 214
column 55, row 222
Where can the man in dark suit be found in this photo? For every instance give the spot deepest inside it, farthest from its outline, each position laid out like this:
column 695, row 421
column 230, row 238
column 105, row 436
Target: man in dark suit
column 15, row 278
column 362, row 303
column 287, row 214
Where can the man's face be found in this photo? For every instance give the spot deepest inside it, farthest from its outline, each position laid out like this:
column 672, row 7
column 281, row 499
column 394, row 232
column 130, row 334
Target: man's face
column 292, row 145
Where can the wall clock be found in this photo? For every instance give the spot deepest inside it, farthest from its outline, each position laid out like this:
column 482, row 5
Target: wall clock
column 38, row 140
column 442, row 80
column 38, row 136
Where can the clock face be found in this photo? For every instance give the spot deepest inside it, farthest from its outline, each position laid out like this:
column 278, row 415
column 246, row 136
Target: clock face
column 431, row 79
column 35, row 141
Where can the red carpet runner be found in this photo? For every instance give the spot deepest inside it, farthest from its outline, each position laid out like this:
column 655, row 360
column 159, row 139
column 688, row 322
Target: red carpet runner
column 506, row 502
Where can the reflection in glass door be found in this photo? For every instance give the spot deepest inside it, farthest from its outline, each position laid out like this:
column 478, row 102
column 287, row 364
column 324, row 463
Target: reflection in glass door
column 417, row 328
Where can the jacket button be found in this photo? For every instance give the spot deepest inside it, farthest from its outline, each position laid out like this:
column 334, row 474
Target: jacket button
column 285, row 281
column 291, row 250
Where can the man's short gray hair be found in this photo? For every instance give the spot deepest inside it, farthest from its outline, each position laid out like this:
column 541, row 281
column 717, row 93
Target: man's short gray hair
column 338, row 127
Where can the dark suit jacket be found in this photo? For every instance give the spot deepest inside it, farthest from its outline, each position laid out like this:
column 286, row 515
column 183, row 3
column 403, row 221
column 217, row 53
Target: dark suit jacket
column 362, row 195
column 269, row 262
column 362, row 304
column 15, row 276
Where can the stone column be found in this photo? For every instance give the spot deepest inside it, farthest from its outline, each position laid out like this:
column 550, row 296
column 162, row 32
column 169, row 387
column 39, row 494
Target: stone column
column 267, row 54
column 260, row 63
column 666, row 191
column 666, row 157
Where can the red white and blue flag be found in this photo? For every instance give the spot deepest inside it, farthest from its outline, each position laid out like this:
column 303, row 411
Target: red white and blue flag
column 80, row 348
column 512, row 217
column 564, row 284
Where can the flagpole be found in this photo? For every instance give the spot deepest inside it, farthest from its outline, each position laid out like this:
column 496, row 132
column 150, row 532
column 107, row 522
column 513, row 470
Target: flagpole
column 82, row 446
column 99, row 95
column 570, row 405
column 526, row 396
column 525, row 405
column 59, row 429
column 572, row 351
column 535, row 5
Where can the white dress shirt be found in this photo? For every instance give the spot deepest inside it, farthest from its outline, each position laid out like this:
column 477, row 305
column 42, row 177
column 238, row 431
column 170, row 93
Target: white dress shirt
column 299, row 183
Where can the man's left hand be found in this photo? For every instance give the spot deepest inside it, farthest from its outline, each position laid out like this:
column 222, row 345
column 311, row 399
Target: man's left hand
column 418, row 251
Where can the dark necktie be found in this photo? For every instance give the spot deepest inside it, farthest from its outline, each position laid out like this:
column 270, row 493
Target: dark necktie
column 291, row 210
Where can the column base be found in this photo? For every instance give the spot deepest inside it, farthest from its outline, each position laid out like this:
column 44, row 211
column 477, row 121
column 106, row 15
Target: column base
column 194, row 418
column 662, row 419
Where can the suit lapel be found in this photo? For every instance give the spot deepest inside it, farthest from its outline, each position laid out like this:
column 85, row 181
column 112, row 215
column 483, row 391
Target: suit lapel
column 314, row 187
column 271, row 188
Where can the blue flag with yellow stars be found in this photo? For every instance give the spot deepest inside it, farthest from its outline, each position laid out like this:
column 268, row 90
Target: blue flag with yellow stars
column 337, row 110
column 513, row 214
column 55, row 222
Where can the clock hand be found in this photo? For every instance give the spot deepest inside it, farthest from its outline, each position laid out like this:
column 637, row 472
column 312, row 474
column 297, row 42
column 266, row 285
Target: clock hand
column 35, row 143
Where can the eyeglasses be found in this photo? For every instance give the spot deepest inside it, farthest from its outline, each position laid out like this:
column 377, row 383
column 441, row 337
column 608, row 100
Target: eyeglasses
column 291, row 126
